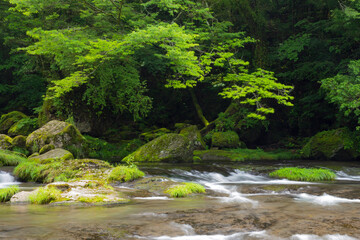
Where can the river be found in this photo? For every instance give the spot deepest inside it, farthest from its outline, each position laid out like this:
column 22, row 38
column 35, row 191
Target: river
column 241, row 203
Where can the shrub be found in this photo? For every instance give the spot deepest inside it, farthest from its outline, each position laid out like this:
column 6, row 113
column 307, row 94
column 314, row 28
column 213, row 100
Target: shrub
column 125, row 174
column 7, row 193
column 185, row 189
column 45, row 195
column 304, row 174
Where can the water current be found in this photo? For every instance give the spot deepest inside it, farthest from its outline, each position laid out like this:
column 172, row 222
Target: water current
column 242, row 202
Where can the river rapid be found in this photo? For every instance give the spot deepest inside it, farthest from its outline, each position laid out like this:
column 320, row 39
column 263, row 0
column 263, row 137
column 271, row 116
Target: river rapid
column 241, row 203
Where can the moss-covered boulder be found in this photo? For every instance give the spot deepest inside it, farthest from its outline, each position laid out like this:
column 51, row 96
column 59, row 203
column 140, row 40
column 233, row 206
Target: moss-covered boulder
column 228, row 139
column 5, row 142
column 19, row 141
column 46, row 148
column 338, row 144
column 151, row 135
column 7, row 120
column 167, row 148
column 55, row 154
column 58, row 133
column 194, row 136
column 24, row 127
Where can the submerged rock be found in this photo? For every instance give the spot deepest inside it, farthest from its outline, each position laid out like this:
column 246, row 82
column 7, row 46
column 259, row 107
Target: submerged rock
column 167, row 148
column 58, row 133
column 55, row 154
column 338, row 144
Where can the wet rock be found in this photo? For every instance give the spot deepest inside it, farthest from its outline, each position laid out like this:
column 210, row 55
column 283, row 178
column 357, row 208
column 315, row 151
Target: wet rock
column 60, row 134
column 338, row 144
column 167, row 148
column 21, row 197
column 55, row 154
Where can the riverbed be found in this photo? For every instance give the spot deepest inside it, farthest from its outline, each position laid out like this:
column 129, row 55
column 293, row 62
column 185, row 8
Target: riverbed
column 242, row 202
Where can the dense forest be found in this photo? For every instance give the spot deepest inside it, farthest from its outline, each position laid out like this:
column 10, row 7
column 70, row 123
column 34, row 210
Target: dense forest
column 269, row 70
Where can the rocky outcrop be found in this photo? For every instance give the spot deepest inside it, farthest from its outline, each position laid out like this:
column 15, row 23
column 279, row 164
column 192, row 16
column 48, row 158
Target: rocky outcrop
column 148, row 136
column 58, row 133
column 338, row 144
column 194, row 136
column 55, row 154
column 228, row 139
column 167, row 148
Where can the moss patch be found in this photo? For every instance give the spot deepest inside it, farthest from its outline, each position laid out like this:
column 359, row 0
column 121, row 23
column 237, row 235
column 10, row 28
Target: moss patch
column 7, row 193
column 244, row 155
column 24, row 127
column 185, row 189
column 7, row 120
column 5, row 141
column 304, row 174
column 228, row 139
column 45, row 195
column 125, row 174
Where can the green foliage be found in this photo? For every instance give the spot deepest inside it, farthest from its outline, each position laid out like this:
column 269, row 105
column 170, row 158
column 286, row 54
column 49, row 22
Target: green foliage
column 292, row 47
column 7, row 193
column 94, row 199
column 125, row 174
column 344, row 90
column 8, row 158
column 304, row 174
column 45, row 195
column 184, row 190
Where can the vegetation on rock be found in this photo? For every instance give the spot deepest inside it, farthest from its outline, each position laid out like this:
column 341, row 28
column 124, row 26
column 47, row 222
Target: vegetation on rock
column 8, row 158
column 45, row 195
column 125, row 174
column 304, row 174
column 7, row 193
column 185, row 189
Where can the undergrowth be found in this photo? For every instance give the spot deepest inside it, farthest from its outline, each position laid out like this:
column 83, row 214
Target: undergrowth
column 304, row 174
column 45, row 195
column 8, row 158
column 7, row 193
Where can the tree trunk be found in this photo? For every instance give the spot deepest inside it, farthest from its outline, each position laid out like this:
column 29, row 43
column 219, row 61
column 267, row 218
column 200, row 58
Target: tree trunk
column 198, row 108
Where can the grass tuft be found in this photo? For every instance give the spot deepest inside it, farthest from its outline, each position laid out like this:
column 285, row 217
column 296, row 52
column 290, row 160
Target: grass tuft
column 185, row 189
column 45, row 195
column 8, row 158
column 125, row 174
column 304, row 174
column 7, row 193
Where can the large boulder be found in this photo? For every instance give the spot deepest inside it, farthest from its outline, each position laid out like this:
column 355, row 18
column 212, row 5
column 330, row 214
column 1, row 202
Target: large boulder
column 338, row 144
column 55, row 154
column 58, row 133
column 7, row 120
column 5, row 142
column 166, row 148
column 228, row 139
column 148, row 136
column 194, row 136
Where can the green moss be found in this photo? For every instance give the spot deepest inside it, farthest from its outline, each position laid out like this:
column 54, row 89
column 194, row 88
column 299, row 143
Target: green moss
column 24, row 127
column 5, row 141
column 94, row 199
column 194, row 136
column 46, row 148
column 245, row 154
column 7, row 193
column 228, row 139
column 61, row 170
column 338, row 144
column 45, row 195
column 185, row 189
column 304, row 174
column 125, row 174
column 8, row 158
column 167, row 148
column 148, row 136
column 7, row 120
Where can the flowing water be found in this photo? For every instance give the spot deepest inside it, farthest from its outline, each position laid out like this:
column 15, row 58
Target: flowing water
column 241, row 203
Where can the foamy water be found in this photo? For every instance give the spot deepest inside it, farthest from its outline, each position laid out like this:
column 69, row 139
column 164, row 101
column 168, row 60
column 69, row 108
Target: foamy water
column 324, row 199
column 6, row 179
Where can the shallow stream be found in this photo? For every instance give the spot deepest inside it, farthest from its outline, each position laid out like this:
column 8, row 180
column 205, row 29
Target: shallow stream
column 241, row 203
